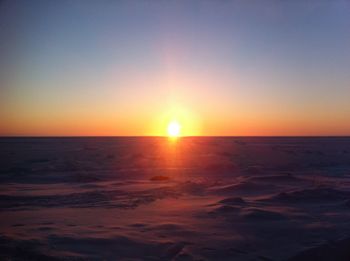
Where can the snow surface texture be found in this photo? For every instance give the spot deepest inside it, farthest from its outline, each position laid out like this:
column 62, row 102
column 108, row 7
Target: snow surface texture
column 192, row 199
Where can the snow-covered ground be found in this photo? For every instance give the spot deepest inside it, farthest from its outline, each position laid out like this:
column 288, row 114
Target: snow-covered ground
column 197, row 198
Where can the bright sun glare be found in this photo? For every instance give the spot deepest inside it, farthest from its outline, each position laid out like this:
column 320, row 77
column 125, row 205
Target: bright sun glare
column 174, row 129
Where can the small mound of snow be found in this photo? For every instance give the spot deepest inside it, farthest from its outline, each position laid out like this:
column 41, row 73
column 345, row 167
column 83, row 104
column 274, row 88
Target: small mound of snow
column 233, row 201
column 159, row 178
column 314, row 194
column 225, row 209
column 261, row 214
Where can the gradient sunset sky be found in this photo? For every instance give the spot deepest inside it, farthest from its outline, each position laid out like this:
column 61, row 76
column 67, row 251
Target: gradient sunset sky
column 218, row 67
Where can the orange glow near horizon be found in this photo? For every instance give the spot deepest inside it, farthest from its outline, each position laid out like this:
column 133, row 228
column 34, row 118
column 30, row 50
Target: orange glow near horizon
column 156, row 124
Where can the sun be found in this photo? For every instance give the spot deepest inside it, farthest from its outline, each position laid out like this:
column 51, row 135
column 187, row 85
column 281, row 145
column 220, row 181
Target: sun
column 174, row 129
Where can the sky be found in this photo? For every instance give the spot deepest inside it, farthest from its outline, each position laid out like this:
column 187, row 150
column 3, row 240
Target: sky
column 257, row 68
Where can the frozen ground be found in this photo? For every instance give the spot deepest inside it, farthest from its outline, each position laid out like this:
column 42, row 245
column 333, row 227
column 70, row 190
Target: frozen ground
column 191, row 199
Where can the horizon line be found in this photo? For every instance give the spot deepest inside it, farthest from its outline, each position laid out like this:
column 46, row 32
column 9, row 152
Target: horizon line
column 165, row 136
